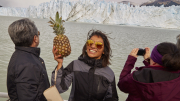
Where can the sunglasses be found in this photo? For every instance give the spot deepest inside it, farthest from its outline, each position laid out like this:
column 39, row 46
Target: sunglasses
column 98, row 45
column 38, row 33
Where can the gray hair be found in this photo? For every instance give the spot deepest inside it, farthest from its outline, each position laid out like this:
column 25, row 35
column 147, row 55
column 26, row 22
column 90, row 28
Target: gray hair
column 22, row 32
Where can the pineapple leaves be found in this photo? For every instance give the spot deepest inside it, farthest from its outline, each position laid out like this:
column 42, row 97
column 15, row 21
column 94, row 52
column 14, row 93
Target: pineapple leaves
column 60, row 21
column 51, row 25
column 55, row 32
column 52, row 20
column 57, row 24
column 57, row 17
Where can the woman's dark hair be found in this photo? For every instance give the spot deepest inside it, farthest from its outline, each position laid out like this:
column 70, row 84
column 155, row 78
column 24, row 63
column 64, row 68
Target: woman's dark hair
column 171, row 56
column 107, row 49
column 22, row 32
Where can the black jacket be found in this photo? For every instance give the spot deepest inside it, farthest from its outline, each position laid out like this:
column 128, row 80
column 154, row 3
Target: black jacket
column 90, row 81
column 27, row 76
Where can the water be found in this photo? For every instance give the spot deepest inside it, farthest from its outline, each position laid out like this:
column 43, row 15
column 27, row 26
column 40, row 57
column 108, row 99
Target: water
column 123, row 40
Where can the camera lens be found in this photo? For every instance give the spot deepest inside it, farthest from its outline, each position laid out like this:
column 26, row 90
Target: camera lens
column 141, row 52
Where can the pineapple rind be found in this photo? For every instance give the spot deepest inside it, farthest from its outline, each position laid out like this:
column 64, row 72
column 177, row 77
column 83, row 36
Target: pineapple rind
column 61, row 42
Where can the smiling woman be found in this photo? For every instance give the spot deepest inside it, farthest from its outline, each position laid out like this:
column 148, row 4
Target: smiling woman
column 95, row 47
column 91, row 77
column 101, row 41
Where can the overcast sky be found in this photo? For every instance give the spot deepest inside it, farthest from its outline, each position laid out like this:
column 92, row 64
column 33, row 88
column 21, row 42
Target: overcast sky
column 27, row 3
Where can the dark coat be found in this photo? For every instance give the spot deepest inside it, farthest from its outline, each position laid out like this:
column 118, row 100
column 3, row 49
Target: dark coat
column 27, row 76
column 149, row 83
column 90, row 81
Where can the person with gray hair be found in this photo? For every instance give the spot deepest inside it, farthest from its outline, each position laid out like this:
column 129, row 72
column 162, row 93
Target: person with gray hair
column 26, row 76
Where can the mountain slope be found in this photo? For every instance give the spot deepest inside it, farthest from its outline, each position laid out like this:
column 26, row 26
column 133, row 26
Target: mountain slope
column 158, row 3
column 127, row 2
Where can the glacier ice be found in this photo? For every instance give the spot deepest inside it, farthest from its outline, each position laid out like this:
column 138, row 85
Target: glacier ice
column 95, row 11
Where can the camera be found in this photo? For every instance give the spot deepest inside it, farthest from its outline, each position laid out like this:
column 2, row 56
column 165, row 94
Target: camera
column 141, row 52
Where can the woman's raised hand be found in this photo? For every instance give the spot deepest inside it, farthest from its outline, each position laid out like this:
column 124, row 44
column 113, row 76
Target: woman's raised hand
column 134, row 52
column 58, row 58
column 147, row 54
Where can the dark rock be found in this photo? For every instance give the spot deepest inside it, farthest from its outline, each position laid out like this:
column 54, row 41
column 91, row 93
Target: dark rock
column 158, row 3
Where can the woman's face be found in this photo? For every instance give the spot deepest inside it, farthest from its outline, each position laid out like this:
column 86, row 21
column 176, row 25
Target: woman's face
column 92, row 50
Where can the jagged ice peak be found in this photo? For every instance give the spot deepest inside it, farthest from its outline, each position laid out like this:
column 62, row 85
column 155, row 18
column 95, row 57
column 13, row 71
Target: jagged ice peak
column 102, row 12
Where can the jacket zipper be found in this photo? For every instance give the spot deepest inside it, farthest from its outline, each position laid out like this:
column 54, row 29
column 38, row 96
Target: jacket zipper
column 98, row 86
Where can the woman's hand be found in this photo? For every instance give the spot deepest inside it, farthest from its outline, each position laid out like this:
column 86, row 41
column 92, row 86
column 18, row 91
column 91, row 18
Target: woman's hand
column 134, row 52
column 147, row 54
column 58, row 58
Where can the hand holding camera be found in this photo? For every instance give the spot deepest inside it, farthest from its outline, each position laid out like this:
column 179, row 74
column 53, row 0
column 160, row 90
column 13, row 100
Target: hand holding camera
column 134, row 52
column 141, row 52
column 147, row 54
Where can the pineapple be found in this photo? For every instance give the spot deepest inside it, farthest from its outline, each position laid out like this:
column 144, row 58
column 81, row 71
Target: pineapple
column 61, row 41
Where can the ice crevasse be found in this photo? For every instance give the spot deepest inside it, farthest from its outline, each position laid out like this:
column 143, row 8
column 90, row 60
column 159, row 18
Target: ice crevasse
column 102, row 12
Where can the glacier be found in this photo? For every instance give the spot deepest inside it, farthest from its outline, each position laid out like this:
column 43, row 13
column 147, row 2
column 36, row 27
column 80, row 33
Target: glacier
column 102, row 12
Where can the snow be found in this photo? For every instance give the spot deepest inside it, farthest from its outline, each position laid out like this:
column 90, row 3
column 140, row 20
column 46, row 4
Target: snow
column 102, row 12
